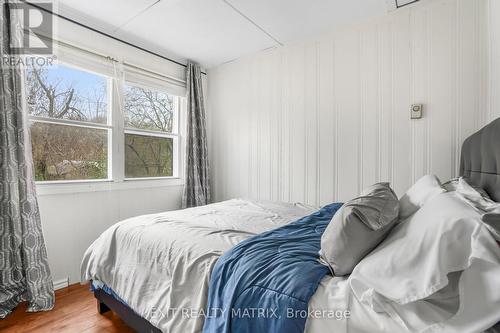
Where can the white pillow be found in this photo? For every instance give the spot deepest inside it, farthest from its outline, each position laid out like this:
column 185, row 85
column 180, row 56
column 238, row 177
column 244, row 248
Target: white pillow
column 457, row 184
column 424, row 189
column 481, row 201
column 476, row 197
column 413, row 262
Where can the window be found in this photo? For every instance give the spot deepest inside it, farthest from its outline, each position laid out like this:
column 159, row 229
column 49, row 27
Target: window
column 150, row 132
column 69, row 131
column 87, row 126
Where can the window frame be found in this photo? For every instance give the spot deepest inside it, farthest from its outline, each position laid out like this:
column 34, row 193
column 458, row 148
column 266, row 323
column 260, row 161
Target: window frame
column 83, row 124
column 174, row 135
column 115, row 126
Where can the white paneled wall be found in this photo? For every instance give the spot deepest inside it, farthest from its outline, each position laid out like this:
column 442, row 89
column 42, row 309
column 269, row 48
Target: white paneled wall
column 494, row 59
column 72, row 221
column 319, row 120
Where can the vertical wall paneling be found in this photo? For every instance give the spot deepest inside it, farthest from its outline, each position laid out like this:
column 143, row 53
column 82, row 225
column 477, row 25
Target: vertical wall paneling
column 385, row 98
column 441, row 84
column 326, row 123
column 266, row 73
column 420, row 73
column 274, row 127
column 401, row 137
column 347, row 95
column 311, row 121
column 285, row 122
column 369, row 109
column 319, row 120
column 483, row 28
column 493, row 11
column 297, row 128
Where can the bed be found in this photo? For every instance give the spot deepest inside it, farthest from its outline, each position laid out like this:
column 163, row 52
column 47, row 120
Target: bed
column 154, row 271
column 170, row 268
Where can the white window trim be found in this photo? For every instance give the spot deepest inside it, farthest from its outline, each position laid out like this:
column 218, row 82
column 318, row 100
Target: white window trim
column 116, row 131
column 74, row 123
column 77, row 186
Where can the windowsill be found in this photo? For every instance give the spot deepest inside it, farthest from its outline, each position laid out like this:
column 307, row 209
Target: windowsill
column 81, row 186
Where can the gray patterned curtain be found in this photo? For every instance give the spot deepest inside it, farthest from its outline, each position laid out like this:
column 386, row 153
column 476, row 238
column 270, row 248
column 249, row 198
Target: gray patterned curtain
column 197, row 187
column 24, row 270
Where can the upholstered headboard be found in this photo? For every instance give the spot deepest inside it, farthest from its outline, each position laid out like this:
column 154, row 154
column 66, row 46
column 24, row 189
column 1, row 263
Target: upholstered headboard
column 480, row 160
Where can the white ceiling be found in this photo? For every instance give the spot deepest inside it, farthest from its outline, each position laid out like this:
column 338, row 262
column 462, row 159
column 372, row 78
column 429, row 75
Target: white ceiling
column 213, row 32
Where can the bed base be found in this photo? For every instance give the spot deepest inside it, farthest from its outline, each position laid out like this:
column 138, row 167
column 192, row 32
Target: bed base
column 106, row 302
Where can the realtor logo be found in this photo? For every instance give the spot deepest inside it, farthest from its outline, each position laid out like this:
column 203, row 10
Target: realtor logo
column 33, row 26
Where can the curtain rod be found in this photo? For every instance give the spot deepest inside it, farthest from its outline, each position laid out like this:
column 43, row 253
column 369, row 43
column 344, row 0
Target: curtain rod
column 105, row 34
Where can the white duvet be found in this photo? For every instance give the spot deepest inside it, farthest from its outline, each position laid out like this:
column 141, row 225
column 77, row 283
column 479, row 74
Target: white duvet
column 160, row 266
column 163, row 261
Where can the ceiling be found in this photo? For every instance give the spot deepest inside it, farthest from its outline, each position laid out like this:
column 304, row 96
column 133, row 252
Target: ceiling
column 213, row 32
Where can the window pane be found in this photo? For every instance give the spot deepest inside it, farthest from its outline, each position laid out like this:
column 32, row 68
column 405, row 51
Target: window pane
column 68, row 153
column 65, row 93
column 148, row 156
column 148, row 109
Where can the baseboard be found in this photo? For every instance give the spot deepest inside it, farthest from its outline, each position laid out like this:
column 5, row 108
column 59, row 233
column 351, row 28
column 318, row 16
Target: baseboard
column 63, row 283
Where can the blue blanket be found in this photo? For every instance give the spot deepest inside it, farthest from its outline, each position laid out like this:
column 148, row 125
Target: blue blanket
column 264, row 283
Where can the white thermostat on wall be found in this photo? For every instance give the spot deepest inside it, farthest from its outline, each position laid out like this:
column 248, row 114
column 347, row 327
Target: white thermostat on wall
column 416, row 111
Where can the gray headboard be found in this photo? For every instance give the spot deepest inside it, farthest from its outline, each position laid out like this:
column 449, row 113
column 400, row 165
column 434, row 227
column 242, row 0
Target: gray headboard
column 480, row 160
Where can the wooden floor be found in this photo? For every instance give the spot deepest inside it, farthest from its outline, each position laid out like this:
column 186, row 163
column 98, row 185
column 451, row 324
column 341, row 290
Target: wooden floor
column 75, row 311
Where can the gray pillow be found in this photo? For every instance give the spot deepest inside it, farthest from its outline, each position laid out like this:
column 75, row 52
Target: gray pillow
column 358, row 227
